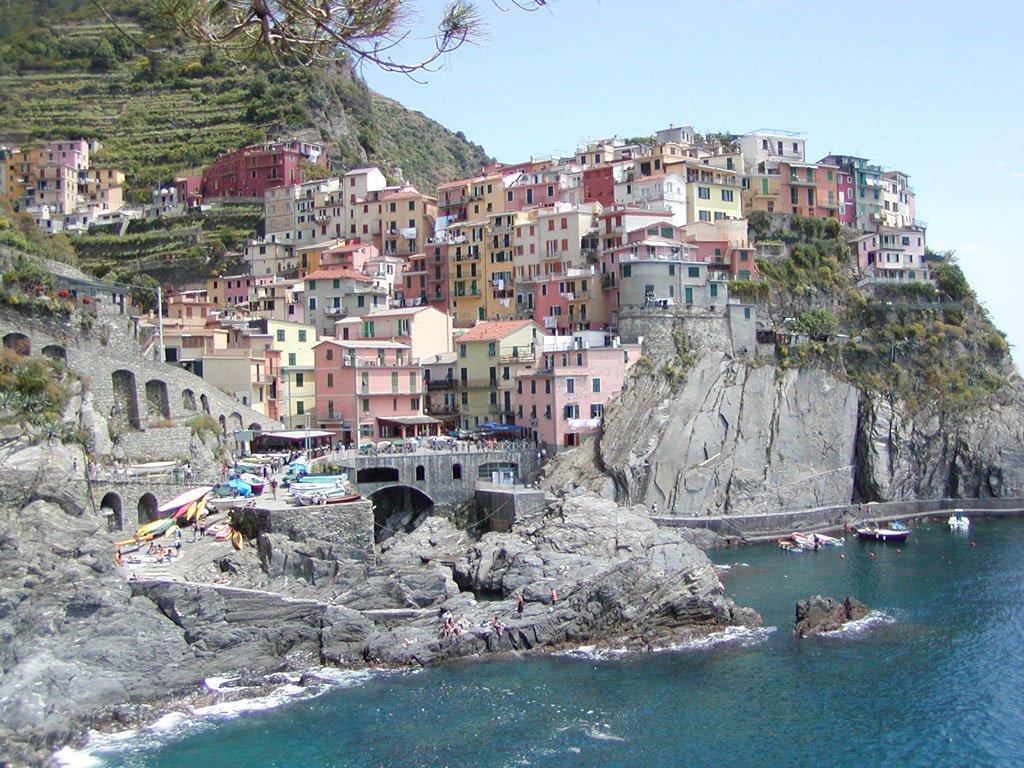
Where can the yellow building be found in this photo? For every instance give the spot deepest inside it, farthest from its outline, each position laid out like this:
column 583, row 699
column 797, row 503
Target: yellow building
column 763, row 193
column 406, row 220
column 466, row 273
column 712, row 194
column 297, row 391
column 488, row 357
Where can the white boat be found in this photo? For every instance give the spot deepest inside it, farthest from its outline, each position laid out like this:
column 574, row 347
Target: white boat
column 815, row 540
column 958, row 521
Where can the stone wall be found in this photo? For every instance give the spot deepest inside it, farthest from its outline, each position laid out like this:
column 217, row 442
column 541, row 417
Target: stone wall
column 128, row 391
column 502, row 505
column 347, row 528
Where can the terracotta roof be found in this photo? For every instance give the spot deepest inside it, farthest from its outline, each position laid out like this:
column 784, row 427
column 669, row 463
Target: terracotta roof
column 492, row 330
column 334, row 274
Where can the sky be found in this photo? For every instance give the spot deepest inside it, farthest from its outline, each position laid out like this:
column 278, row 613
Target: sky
column 932, row 89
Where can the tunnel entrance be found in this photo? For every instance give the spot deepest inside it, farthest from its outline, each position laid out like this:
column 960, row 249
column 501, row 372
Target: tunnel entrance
column 398, row 508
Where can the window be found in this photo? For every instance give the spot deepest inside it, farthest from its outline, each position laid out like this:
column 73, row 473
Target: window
column 627, row 270
column 312, row 285
column 414, row 403
column 394, row 382
column 693, row 271
column 595, row 385
column 312, row 302
column 412, row 381
column 570, row 386
column 704, row 193
column 456, row 471
column 421, row 473
column 462, row 350
column 300, row 408
column 330, row 379
column 329, row 354
column 302, row 334
column 280, row 331
column 714, row 290
column 291, row 361
column 364, row 381
column 366, row 405
column 330, row 409
column 572, row 411
column 596, row 410
column 727, row 195
column 533, row 387
column 360, row 301
column 491, row 349
column 704, row 215
column 746, row 313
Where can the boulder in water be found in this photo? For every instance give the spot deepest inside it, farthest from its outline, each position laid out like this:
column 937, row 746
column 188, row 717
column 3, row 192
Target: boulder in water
column 823, row 614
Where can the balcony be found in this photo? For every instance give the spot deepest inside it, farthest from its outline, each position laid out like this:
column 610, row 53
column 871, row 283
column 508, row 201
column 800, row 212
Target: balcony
column 335, row 311
column 434, row 386
column 478, row 384
column 522, row 357
column 795, row 181
column 497, row 408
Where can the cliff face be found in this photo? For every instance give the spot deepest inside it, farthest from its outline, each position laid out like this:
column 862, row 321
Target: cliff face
column 735, row 438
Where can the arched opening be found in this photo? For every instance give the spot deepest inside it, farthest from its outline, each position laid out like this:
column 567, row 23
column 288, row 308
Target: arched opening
column 398, row 508
column 235, row 421
column 18, row 342
column 126, row 398
column 377, row 475
column 55, row 352
column 254, row 427
column 223, row 424
column 158, row 405
column 110, row 508
column 456, row 471
column 205, row 402
column 421, row 473
column 148, row 509
column 188, row 400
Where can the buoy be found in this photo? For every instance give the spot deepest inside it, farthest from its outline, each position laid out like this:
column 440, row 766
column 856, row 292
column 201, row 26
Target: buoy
column 973, row 544
column 842, row 557
column 872, row 555
column 898, row 550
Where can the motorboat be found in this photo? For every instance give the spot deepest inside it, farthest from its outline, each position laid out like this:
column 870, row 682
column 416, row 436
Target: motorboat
column 790, row 546
column 877, row 533
column 958, row 521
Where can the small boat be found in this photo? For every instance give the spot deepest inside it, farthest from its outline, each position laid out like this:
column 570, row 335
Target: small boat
column 321, row 479
column 958, row 521
column 236, row 539
column 790, row 546
column 334, row 495
column 184, row 498
column 875, row 533
column 815, row 540
column 221, row 531
column 254, row 482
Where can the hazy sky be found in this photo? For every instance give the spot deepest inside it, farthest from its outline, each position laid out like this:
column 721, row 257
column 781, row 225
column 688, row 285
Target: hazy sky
column 932, row 89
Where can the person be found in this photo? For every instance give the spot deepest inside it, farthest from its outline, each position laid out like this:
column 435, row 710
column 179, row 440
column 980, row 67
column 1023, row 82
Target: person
column 118, row 558
column 554, row 596
column 202, row 528
column 195, row 531
column 74, row 466
column 273, row 487
column 177, row 545
column 654, row 508
column 520, row 605
column 497, row 626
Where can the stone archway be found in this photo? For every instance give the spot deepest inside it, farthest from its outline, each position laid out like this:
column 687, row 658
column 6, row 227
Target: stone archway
column 188, row 400
column 158, row 406
column 18, row 342
column 205, row 401
column 398, row 508
column 148, row 508
column 254, row 427
column 223, row 424
column 126, row 397
column 110, row 508
column 235, row 421
column 55, row 352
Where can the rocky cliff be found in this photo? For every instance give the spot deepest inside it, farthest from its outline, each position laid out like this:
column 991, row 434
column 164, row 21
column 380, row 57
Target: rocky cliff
column 741, row 436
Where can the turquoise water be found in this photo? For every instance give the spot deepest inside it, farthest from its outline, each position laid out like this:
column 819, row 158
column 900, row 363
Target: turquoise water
column 935, row 679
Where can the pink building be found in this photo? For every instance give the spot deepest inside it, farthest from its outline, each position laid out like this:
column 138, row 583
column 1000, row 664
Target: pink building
column 252, row 170
column 563, row 398
column 372, row 388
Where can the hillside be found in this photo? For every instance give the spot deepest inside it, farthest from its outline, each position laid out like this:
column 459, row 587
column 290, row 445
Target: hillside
column 66, row 72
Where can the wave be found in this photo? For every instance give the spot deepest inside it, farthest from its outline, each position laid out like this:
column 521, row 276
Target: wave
column 860, row 627
column 741, row 636
column 178, row 724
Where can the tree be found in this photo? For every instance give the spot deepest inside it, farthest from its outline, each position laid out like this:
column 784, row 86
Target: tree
column 103, row 57
column 305, row 31
column 143, row 291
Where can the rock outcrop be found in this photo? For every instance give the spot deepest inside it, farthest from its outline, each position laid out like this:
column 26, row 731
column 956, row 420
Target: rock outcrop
column 823, row 614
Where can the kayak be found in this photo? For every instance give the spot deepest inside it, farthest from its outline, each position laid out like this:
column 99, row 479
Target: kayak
column 236, row 539
column 185, row 498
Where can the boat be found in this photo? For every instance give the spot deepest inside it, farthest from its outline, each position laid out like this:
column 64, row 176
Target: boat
column 221, row 531
column 322, row 479
column 224, row 502
column 184, row 498
column 815, row 540
column 958, row 521
column 254, row 482
column 790, row 546
column 333, row 495
column 236, row 539
column 876, row 533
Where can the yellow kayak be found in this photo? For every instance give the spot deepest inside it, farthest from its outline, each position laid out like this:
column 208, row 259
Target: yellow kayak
column 197, row 512
column 236, row 539
column 154, row 527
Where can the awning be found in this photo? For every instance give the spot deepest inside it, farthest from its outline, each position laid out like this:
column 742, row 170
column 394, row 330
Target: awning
column 296, row 434
column 407, row 420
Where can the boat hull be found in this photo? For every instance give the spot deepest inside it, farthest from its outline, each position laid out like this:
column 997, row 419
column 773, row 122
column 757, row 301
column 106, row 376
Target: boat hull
column 881, row 534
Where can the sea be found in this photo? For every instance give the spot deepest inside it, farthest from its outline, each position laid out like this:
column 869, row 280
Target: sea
column 934, row 676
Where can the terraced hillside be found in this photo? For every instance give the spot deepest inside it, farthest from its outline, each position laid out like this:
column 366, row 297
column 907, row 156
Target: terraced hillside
column 174, row 107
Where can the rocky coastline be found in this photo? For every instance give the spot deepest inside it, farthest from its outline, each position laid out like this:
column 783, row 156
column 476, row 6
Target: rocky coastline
column 84, row 647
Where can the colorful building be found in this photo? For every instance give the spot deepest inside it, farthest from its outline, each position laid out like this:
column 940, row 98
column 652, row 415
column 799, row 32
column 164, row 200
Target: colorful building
column 249, row 172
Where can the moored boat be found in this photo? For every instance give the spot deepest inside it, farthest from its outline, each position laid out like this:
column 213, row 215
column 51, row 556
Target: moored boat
column 876, row 533
column 958, row 521
column 815, row 540
column 790, row 546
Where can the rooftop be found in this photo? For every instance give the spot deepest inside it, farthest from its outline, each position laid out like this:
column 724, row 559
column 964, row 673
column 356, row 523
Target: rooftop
column 493, row 329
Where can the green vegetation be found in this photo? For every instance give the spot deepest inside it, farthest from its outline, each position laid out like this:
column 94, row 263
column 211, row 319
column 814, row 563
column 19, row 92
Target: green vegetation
column 203, row 424
column 29, row 288
column 67, row 72
column 32, row 389
column 931, row 346
column 19, row 232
